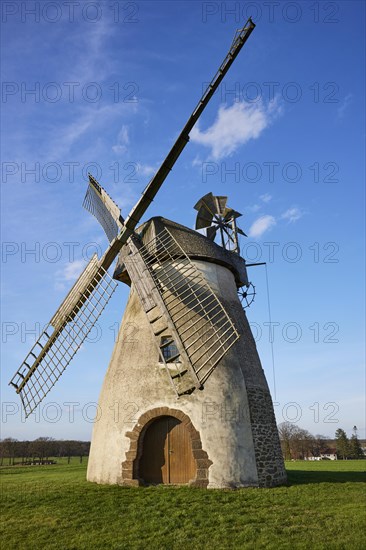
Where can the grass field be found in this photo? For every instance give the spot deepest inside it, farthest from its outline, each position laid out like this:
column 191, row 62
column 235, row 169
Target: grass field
column 53, row 507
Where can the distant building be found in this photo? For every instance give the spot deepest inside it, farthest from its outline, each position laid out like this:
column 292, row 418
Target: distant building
column 328, row 454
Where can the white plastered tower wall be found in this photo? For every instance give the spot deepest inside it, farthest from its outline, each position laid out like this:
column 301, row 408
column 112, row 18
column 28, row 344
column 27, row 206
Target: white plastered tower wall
column 233, row 414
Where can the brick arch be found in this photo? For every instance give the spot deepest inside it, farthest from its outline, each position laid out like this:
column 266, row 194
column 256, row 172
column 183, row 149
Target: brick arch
column 136, row 436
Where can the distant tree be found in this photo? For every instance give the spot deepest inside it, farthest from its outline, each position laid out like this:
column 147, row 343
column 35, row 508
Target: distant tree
column 286, row 432
column 22, row 450
column 9, row 449
column 2, row 452
column 301, row 443
column 68, row 449
column 42, row 448
column 342, row 444
column 84, row 447
column 320, row 445
column 295, row 441
column 355, row 449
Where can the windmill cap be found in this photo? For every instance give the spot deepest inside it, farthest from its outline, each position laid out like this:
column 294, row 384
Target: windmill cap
column 194, row 244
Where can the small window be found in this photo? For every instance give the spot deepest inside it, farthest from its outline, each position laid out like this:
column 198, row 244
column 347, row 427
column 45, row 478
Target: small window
column 168, row 351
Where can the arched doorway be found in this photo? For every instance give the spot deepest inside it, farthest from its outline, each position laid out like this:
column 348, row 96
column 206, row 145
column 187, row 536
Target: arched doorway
column 167, row 455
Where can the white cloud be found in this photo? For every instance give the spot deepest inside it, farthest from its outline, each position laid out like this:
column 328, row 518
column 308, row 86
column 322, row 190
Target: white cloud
column 146, row 169
column 235, row 126
column 261, row 225
column 68, row 135
column 266, row 222
column 83, row 68
column 69, row 274
column 91, row 118
column 292, row 214
column 266, row 197
column 123, row 139
column 344, row 105
column 253, row 208
column 72, row 270
column 197, row 161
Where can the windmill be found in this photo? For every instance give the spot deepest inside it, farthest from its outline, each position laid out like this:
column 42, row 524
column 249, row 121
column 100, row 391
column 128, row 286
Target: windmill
column 185, row 332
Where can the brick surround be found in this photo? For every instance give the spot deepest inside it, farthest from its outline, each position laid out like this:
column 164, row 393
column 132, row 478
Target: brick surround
column 130, row 466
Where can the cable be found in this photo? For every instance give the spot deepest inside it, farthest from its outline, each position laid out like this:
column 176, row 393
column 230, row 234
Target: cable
column 271, row 339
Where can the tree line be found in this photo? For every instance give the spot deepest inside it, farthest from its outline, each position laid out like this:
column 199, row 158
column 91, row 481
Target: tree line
column 348, row 447
column 40, row 450
column 296, row 443
column 300, row 444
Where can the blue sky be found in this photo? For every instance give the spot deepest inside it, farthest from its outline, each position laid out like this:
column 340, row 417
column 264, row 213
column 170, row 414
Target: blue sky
column 283, row 138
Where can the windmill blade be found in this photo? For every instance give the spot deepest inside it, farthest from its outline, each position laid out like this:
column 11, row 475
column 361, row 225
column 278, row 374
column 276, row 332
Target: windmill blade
column 204, row 218
column 101, row 205
column 208, row 201
column 203, row 331
column 212, row 204
column 230, row 214
column 64, row 335
column 206, row 211
column 211, row 232
column 209, row 206
column 240, row 231
column 220, row 202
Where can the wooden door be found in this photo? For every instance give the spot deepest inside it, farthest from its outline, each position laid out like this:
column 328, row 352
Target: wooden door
column 167, row 453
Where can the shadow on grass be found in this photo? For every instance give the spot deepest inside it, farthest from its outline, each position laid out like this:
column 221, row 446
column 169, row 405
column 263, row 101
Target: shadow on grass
column 301, row 477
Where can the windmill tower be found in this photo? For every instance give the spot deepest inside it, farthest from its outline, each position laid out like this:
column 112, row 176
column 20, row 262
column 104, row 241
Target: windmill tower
column 184, row 399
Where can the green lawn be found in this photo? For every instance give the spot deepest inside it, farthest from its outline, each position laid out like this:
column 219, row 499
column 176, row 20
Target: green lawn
column 53, row 507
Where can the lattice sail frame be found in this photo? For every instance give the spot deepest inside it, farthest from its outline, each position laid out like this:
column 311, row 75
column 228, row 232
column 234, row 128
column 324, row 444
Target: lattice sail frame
column 204, row 327
column 63, row 336
column 103, row 208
